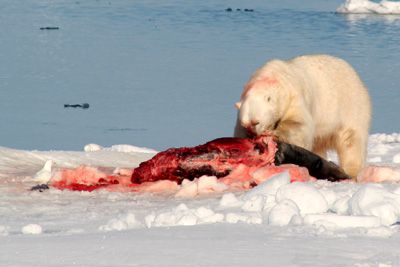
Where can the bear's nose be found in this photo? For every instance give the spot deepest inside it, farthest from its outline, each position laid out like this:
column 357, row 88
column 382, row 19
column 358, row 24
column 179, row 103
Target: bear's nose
column 250, row 126
column 254, row 122
column 251, row 123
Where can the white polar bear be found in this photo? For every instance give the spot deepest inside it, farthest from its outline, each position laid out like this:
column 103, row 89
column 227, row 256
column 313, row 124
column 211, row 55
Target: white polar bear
column 314, row 101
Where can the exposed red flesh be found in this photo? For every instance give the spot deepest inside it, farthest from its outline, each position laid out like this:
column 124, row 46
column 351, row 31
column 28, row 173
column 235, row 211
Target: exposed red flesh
column 215, row 158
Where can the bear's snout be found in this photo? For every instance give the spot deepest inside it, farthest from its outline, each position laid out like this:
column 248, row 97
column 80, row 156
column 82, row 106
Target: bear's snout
column 251, row 125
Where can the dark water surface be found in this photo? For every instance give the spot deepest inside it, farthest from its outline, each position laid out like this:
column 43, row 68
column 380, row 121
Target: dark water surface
column 160, row 74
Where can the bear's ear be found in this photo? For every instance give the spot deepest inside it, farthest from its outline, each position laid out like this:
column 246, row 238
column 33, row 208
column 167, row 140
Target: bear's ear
column 238, row 105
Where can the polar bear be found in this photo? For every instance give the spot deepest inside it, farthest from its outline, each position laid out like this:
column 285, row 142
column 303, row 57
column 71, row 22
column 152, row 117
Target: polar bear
column 314, row 101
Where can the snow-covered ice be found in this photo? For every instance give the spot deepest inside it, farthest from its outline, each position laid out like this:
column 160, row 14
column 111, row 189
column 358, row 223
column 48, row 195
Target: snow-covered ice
column 307, row 213
column 283, row 212
column 118, row 148
column 369, row 7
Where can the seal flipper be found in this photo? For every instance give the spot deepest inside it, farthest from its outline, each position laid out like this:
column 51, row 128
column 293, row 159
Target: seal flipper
column 317, row 166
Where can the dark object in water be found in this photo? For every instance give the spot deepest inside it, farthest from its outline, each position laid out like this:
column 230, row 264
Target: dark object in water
column 49, row 28
column 238, row 9
column 84, row 106
column 40, row 187
column 221, row 156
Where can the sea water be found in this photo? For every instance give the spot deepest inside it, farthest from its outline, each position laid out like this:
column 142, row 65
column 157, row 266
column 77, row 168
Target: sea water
column 167, row 73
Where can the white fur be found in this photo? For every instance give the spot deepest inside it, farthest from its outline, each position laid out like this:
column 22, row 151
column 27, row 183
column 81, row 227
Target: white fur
column 314, row 101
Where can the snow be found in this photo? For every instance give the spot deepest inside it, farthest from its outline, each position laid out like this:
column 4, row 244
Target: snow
column 229, row 200
column 201, row 185
column 396, row 158
column 125, row 222
column 118, row 148
column 283, row 212
column 198, row 215
column 33, row 229
column 342, row 221
column 307, row 198
column 374, row 199
column 271, row 186
column 369, row 7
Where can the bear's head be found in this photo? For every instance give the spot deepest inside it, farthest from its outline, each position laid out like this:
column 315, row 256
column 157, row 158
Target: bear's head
column 260, row 106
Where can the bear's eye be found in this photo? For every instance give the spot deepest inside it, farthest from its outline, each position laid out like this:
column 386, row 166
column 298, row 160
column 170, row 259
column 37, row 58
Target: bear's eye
column 267, row 98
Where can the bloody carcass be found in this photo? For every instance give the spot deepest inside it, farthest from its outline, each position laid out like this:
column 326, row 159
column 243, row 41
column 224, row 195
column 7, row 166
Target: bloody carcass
column 236, row 162
column 222, row 156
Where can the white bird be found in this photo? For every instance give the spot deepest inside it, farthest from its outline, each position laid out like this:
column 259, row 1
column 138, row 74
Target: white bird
column 44, row 175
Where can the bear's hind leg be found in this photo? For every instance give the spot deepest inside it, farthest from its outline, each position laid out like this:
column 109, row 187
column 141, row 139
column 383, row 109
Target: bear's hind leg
column 350, row 148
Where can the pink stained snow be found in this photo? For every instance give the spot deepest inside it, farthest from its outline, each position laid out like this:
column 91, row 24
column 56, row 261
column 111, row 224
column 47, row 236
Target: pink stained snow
column 88, row 178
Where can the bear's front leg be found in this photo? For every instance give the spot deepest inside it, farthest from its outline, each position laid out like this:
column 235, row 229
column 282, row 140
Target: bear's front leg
column 295, row 132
